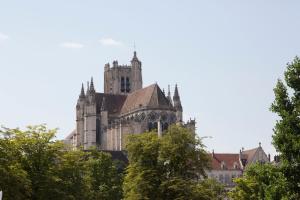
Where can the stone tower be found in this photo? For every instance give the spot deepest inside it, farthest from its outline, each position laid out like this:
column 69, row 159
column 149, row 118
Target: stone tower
column 90, row 118
column 123, row 79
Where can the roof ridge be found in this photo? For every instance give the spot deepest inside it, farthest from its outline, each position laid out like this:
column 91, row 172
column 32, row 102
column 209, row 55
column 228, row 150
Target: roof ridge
column 142, row 88
column 152, row 93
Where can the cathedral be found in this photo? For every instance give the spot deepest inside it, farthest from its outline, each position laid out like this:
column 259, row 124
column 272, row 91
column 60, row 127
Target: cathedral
column 125, row 107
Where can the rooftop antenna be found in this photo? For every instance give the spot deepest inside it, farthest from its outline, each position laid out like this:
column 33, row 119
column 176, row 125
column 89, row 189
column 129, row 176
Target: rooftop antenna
column 134, row 47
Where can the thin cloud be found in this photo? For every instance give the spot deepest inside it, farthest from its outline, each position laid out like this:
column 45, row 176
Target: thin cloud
column 3, row 36
column 110, row 42
column 72, row 45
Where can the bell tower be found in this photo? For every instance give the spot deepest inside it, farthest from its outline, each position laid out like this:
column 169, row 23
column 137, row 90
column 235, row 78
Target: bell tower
column 123, row 79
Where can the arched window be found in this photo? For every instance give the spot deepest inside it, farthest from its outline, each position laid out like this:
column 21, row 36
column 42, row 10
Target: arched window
column 127, row 85
column 122, row 84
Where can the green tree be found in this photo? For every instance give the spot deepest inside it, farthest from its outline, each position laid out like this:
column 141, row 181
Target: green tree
column 35, row 166
column 143, row 174
column 105, row 180
column 14, row 181
column 209, row 189
column 261, row 182
column 286, row 138
column 166, row 168
column 35, row 156
column 71, row 176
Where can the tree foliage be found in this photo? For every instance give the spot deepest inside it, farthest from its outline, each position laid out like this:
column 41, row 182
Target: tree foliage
column 35, row 166
column 282, row 181
column 286, row 138
column 261, row 182
column 168, row 167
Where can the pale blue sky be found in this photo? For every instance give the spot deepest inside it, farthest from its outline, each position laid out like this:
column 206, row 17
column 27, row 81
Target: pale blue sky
column 225, row 56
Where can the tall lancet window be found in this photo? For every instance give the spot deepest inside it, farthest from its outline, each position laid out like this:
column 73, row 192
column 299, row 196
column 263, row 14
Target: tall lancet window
column 127, row 85
column 122, row 84
column 98, row 136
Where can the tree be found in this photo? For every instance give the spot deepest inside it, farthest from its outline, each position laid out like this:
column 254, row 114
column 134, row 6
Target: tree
column 166, row 168
column 143, row 173
column 209, row 189
column 35, row 166
column 286, row 137
column 71, row 176
column 11, row 171
column 105, row 180
column 261, row 182
column 33, row 156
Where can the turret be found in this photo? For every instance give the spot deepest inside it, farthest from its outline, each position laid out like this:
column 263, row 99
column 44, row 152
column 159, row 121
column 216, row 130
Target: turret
column 92, row 88
column 137, row 81
column 80, row 107
column 91, row 93
column 177, row 105
column 90, row 117
column 81, row 99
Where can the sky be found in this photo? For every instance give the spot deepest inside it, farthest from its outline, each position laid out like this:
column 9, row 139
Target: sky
column 225, row 56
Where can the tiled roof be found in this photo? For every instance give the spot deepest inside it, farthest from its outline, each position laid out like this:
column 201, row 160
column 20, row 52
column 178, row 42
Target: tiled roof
column 230, row 160
column 250, row 153
column 148, row 97
column 114, row 102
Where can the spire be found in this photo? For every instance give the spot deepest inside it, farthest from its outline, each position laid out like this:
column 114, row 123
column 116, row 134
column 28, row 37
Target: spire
column 176, row 100
column 176, row 92
column 82, row 95
column 169, row 95
column 103, row 105
column 92, row 89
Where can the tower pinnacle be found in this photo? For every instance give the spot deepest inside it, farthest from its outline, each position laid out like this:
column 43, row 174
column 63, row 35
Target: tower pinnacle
column 176, row 99
column 82, row 95
column 92, row 88
column 135, row 58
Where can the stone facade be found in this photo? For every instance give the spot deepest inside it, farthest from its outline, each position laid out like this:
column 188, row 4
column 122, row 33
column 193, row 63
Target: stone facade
column 103, row 120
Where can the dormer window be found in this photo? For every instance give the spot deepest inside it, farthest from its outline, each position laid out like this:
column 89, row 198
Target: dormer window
column 235, row 165
column 223, row 165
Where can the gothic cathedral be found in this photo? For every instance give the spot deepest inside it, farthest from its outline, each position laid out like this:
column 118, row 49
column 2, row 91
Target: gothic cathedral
column 104, row 119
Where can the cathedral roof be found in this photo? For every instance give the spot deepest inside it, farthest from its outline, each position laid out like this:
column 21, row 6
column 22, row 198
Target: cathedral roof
column 114, row 102
column 150, row 97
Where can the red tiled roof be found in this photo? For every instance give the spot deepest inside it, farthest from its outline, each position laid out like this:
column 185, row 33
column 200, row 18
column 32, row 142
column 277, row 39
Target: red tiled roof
column 229, row 160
